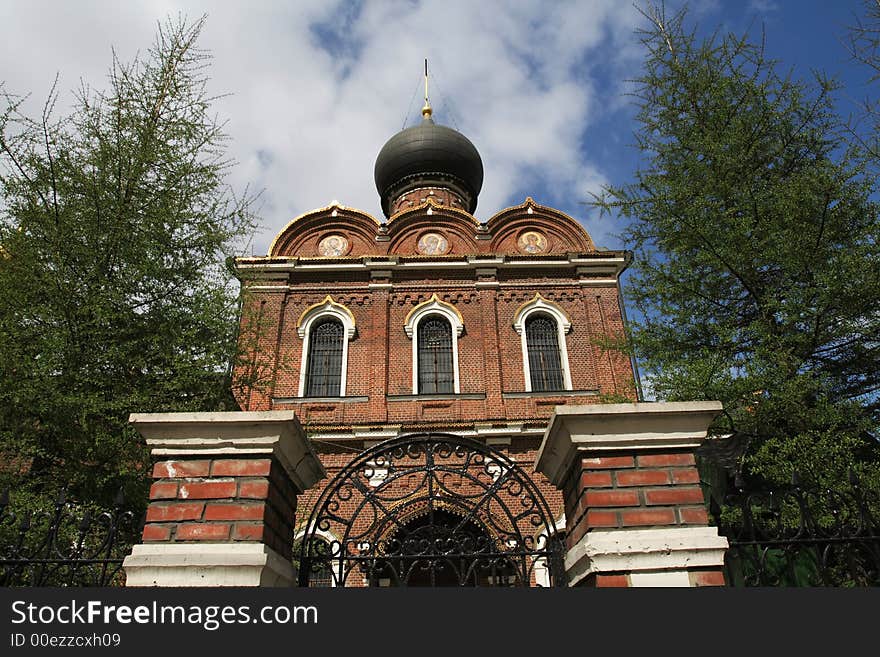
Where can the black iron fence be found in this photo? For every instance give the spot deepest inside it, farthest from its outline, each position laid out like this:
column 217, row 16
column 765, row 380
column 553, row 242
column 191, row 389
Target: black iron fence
column 797, row 536
column 802, row 535
column 65, row 544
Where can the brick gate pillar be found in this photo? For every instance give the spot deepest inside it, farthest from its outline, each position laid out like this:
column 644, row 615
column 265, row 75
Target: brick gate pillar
column 635, row 511
column 223, row 500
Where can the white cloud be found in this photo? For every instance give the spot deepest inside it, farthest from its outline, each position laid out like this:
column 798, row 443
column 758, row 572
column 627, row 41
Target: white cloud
column 318, row 87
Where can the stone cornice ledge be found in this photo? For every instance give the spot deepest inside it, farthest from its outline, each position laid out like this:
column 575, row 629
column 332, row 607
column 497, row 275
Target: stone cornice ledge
column 597, row 428
column 207, row 564
column 640, row 550
column 276, row 433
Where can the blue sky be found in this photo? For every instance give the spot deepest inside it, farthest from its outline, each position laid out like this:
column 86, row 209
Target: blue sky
column 318, row 86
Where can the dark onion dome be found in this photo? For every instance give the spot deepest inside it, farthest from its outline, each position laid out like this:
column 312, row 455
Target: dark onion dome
column 427, row 155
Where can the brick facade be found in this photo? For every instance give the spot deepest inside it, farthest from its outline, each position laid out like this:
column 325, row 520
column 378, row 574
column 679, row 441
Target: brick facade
column 485, row 275
column 223, row 499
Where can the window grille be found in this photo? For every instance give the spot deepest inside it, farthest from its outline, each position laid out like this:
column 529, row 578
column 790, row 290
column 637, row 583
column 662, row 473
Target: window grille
column 324, row 372
column 545, row 364
column 436, row 371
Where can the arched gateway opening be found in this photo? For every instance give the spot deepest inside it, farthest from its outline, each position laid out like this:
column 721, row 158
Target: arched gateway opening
column 430, row 510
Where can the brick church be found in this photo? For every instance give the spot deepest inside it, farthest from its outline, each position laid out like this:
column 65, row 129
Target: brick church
column 431, row 319
column 440, row 388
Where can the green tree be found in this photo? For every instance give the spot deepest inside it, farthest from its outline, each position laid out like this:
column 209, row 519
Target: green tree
column 116, row 223
column 757, row 272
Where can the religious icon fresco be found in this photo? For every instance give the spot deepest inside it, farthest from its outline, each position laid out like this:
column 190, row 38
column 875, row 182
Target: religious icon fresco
column 433, row 244
column 333, row 245
column 532, row 242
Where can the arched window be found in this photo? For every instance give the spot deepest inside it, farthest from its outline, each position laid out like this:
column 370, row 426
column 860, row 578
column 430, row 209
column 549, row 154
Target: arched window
column 545, row 364
column 436, row 371
column 434, row 327
column 542, row 326
column 326, row 329
column 324, row 370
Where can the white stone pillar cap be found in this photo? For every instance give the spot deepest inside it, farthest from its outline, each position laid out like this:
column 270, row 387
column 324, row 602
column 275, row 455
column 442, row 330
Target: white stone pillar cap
column 234, row 434
column 621, row 427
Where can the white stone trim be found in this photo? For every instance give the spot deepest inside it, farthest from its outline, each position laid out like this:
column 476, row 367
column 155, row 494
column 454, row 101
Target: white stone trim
column 665, row 578
column 420, row 313
column 645, row 550
column 542, row 571
column 597, row 428
column 337, row 311
column 539, row 305
column 597, row 282
column 271, row 433
column 480, row 432
column 207, row 564
column 328, row 537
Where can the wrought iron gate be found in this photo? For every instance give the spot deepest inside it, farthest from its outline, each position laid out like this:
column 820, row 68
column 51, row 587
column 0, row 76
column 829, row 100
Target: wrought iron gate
column 431, row 510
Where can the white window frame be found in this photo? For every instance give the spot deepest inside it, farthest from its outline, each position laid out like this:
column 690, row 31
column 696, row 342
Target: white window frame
column 433, row 306
column 326, row 308
column 540, row 305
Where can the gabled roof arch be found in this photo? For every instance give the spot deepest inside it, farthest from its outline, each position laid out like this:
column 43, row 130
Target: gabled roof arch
column 564, row 233
column 302, row 234
column 405, row 228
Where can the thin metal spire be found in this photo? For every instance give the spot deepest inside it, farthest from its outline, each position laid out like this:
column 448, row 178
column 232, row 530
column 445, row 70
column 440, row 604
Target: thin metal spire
column 426, row 110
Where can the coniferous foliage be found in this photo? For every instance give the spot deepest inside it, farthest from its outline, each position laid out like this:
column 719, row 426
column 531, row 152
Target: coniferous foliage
column 115, row 223
column 755, row 228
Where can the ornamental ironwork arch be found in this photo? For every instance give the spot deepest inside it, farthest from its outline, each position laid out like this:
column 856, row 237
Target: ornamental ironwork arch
column 431, row 510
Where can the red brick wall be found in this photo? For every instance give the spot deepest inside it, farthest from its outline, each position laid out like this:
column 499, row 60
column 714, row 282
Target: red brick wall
column 380, row 355
column 221, row 500
column 633, row 491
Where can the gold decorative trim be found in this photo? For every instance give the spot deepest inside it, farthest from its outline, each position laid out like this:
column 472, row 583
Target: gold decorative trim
column 330, row 303
column 434, row 299
column 538, row 298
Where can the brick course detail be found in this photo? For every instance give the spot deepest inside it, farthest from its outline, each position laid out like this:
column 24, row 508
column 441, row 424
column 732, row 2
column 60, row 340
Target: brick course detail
column 643, row 490
column 231, row 500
